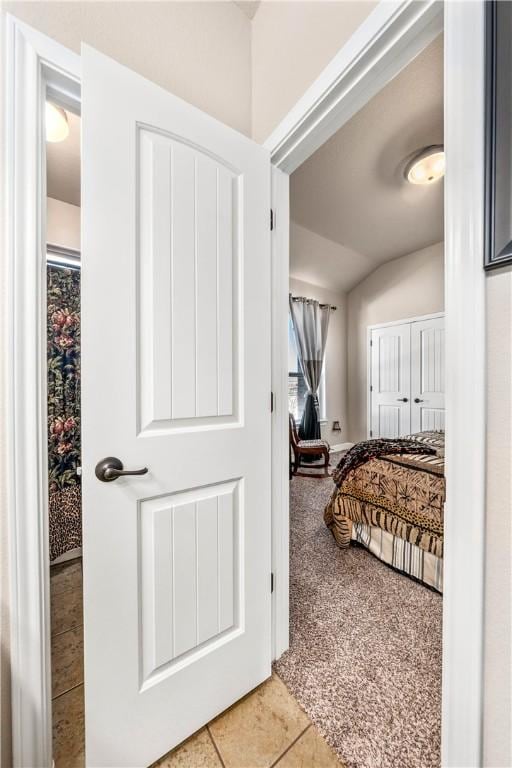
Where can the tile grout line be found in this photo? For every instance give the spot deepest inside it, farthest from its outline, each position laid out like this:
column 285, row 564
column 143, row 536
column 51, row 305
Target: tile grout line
column 68, row 690
column 63, row 631
column 69, row 629
column 301, row 734
column 215, row 745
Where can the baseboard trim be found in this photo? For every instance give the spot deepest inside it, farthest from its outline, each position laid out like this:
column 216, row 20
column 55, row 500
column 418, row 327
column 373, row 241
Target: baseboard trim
column 341, row 447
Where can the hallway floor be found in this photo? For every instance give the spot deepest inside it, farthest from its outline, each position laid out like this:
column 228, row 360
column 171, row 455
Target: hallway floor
column 267, row 728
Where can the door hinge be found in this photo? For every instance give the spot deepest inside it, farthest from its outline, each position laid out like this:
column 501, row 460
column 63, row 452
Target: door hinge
column 371, row 433
column 371, row 388
column 271, row 402
column 272, row 220
column 371, row 343
column 271, row 582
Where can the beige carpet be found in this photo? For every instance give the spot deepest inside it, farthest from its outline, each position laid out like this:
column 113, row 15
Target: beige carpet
column 365, row 653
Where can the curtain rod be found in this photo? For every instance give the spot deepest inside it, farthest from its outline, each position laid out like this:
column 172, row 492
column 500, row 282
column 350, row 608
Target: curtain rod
column 313, row 301
column 57, row 256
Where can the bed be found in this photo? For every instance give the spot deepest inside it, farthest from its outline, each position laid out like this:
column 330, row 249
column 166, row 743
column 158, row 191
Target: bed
column 393, row 504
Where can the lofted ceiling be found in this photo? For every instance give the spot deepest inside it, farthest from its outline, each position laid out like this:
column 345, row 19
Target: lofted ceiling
column 352, row 190
column 249, row 7
column 63, row 165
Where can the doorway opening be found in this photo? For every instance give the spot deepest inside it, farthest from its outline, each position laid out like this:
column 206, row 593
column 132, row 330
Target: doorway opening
column 63, row 323
column 366, row 543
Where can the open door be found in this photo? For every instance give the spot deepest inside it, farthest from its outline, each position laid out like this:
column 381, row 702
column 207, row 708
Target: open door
column 176, row 379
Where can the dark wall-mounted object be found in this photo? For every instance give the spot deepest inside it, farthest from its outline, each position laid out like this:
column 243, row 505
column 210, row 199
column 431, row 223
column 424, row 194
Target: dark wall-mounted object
column 498, row 134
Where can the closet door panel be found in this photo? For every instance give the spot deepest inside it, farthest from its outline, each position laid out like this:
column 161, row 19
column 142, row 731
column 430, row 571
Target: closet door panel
column 427, row 374
column 390, row 381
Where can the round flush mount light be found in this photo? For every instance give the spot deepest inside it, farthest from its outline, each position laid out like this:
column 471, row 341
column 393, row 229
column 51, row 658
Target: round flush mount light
column 426, row 166
column 57, row 127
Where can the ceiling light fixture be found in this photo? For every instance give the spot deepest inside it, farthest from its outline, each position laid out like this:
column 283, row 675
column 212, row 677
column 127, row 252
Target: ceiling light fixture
column 57, row 127
column 426, row 166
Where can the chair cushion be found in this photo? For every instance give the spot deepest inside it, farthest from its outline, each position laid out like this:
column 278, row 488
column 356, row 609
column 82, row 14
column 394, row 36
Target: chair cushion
column 313, row 444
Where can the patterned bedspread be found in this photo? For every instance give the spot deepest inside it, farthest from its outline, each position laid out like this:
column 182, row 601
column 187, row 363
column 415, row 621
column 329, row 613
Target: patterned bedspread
column 402, row 494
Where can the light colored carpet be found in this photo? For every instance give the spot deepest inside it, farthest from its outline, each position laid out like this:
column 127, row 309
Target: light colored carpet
column 365, row 653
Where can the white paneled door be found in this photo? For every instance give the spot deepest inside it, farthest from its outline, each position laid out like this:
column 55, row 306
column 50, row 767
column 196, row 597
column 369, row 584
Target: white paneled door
column 176, row 379
column 427, row 374
column 407, row 373
column 390, row 381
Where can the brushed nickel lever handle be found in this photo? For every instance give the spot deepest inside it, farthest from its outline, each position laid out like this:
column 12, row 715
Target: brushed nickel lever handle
column 111, row 468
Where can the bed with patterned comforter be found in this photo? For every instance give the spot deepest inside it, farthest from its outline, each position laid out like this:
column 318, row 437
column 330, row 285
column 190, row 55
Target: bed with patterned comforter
column 394, row 503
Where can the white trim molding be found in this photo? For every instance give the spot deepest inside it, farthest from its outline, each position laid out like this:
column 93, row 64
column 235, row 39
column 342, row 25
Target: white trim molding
column 280, row 429
column 341, row 447
column 391, row 36
column 417, row 319
column 31, row 60
column 465, row 385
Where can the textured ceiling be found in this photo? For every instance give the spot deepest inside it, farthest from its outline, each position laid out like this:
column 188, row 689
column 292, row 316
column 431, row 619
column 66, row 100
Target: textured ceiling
column 352, row 190
column 63, row 165
column 249, row 7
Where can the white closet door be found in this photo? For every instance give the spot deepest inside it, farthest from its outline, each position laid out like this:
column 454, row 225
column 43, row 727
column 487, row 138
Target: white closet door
column 391, row 381
column 427, row 374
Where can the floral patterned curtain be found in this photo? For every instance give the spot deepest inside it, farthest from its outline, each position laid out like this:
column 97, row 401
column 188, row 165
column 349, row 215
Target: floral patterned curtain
column 63, row 336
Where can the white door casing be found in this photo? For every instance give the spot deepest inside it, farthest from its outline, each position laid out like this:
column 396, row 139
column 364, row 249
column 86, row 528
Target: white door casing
column 176, row 378
column 427, row 374
column 390, row 381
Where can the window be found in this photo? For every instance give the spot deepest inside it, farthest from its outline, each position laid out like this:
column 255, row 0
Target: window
column 297, row 387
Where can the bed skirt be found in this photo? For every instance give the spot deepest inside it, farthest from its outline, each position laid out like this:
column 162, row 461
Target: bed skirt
column 400, row 554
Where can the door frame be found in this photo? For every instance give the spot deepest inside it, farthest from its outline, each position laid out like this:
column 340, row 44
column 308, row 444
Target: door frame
column 33, row 62
column 375, row 327
column 391, row 36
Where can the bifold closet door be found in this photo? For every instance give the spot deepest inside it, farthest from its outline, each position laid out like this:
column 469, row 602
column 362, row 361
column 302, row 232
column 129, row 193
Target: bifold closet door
column 391, row 381
column 427, row 374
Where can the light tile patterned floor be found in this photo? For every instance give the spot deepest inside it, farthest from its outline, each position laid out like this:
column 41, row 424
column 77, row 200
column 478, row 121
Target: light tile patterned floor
column 267, row 728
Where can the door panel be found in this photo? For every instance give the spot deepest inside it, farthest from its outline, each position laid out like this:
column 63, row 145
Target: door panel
column 428, row 374
column 190, row 569
column 389, row 420
column 176, row 378
column 390, row 381
column 431, row 419
column 187, row 297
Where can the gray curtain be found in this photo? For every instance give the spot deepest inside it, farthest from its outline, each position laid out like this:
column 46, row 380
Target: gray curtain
column 310, row 321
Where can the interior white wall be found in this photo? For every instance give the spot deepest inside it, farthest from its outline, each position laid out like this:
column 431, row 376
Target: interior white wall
column 406, row 287
column 335, row 358
column 292, row 42
column 62, row 224
column 497, row 730
column 200, row 51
